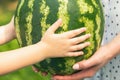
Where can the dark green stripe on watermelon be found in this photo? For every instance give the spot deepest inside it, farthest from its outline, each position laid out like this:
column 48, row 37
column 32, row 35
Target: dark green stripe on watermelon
column 102, row 18
column 74, row 18
column 37, row 30
column 18, row 20
column 53, row 8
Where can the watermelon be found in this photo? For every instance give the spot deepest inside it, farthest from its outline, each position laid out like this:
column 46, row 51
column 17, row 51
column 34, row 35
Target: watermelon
column 34, row 17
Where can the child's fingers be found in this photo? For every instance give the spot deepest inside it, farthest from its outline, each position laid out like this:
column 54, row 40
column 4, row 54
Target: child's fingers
column 44, row 74
column 74, row 54
column 55, row 26
column 80, row 46
column 73, row 33
column 35, row 69
column 80, row 39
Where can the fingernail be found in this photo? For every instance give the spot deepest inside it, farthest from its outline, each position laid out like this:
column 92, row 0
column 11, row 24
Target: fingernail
column 53, row 79
column 84, row 28
column 89, row 35
column 82, row 53
column 36, row 71
column 60, row 19
column 76, row 67
column 88, row 43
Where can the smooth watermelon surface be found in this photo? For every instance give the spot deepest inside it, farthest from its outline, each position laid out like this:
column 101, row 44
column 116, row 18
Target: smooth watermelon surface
column 34, row 17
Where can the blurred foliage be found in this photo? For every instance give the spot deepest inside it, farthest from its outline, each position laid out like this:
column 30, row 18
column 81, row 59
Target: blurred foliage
column 7, row 9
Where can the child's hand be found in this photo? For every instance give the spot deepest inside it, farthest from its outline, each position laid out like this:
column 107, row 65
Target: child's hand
column 7, row 32
column 65, row 44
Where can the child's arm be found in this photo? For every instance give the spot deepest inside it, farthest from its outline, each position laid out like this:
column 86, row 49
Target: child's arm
column 51, row 45
column 7, row 32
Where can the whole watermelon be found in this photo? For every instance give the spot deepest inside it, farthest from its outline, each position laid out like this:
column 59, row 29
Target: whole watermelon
column 34, row 17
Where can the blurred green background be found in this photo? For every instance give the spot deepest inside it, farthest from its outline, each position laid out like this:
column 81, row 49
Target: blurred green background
column 7, row 9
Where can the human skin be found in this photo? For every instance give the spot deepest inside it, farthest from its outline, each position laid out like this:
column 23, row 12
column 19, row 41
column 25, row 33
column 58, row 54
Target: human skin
column 46, row 48
column 100, row 58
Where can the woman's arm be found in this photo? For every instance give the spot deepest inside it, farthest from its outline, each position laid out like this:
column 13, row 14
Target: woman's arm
column 88, row 68
column 7, row 32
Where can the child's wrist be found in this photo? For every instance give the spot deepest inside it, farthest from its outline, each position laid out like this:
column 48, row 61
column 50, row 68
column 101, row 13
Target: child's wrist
column 42, row 49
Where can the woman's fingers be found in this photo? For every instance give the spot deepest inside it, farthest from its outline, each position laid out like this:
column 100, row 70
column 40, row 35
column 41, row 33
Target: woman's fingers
column 94, row 60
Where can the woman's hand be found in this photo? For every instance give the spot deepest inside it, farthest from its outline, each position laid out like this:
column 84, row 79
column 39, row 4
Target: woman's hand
column 89, row 67
column 65, row 44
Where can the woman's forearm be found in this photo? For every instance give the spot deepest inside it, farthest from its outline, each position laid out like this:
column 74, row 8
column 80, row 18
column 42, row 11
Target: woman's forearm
column 113, row 47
